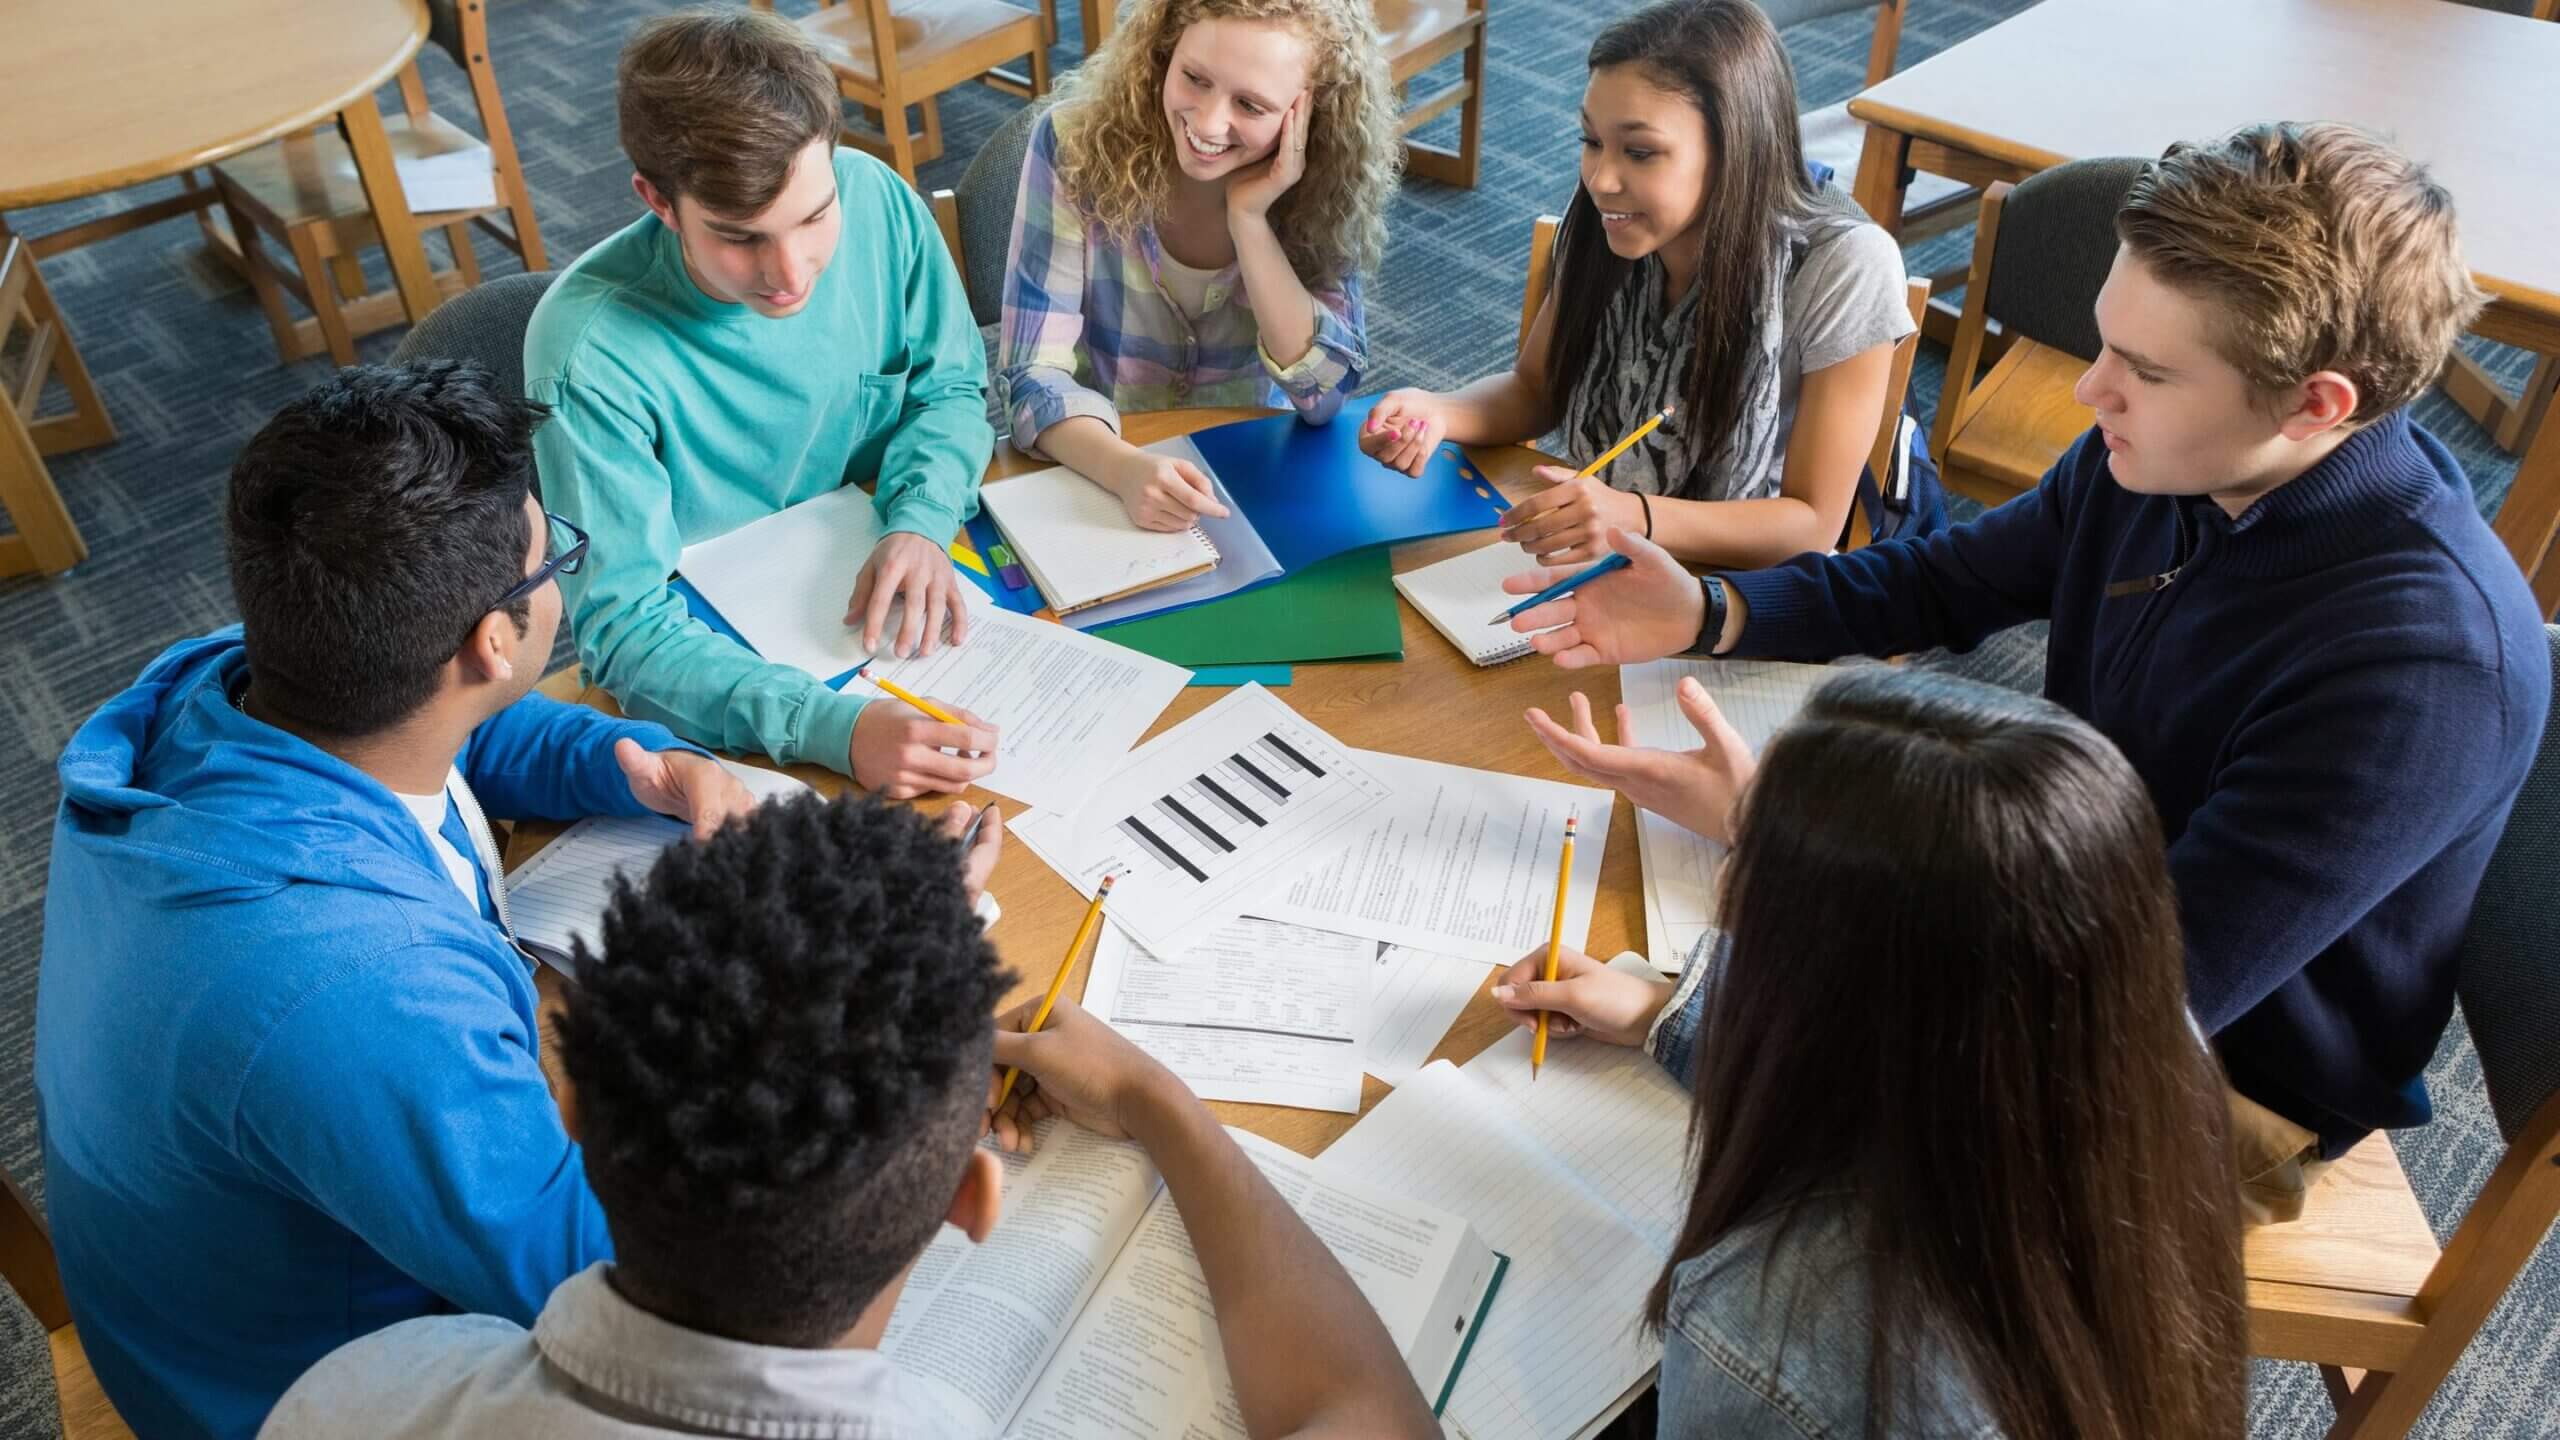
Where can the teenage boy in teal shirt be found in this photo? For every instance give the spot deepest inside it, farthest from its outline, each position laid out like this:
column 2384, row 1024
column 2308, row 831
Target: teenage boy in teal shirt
column 708, row 365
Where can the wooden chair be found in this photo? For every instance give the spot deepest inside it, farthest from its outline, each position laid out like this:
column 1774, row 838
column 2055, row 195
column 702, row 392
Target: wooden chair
column 2356, row 1286
column 1419, row 34
column 2529, row 518
column 890, row 54
column 1835, row 138
column 26, row 1259
column 304, row 192
column 2041, row 250
column 1541, row 279
column 46, row 541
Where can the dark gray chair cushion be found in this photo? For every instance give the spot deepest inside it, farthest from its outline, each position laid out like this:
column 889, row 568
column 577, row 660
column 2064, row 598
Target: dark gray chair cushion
column 485, row 324
column 2510, row 963
column 985, row 196
column 2057, row 238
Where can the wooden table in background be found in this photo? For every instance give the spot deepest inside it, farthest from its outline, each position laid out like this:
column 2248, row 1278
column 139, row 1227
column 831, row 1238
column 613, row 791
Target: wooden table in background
column 2473, row 93
column 97, row 98
column 1434, row 705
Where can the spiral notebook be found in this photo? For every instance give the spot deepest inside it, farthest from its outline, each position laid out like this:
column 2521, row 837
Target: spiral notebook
column 1456, row 596
column 1078, row 544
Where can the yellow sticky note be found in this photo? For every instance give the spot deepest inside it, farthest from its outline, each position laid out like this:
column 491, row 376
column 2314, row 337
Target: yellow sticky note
column 967, row 557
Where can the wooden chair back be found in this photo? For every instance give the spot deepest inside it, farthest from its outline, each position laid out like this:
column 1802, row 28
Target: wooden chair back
column 887, row 56
column 1541, row 278
column 26, row 1258
column 1882, row 46
column 460, row 28
column 2528, row 520
column 1417, row 35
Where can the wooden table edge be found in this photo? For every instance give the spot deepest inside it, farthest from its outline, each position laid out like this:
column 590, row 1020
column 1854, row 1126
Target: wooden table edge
column 180, row 161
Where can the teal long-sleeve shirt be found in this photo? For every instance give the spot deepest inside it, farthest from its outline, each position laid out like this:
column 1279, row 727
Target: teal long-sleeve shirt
column 677, row 418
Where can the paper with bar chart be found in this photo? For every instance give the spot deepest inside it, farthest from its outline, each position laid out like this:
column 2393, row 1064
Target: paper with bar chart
column 1199, row 821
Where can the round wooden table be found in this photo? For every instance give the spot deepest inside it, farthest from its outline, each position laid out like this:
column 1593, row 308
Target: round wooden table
column 1433, row 705
column 95, row 100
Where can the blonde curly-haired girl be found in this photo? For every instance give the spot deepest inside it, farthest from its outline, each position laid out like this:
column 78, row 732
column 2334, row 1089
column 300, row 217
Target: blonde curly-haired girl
column 1194, row 218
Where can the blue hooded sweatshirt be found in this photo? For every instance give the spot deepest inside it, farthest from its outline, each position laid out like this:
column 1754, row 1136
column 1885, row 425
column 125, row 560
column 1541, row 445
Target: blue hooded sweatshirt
column 286, row 1073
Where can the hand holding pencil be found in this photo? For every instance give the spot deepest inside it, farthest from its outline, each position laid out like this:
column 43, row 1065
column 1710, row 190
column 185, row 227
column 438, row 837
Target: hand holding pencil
column 1568, row 522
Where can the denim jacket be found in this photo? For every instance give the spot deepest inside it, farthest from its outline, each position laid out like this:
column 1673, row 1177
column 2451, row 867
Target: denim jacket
column 1767, row 1329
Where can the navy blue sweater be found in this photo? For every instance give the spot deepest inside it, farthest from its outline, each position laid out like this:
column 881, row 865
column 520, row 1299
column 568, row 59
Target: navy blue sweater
column 2332, row 699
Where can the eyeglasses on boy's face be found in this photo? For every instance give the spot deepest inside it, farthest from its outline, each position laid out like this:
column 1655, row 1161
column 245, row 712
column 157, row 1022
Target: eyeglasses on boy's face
column 563, row 552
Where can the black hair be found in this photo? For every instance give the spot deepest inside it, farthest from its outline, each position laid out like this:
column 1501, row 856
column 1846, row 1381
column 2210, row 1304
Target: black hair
column 1957, row 989
column 780, row 1065
column 372, row 523
column 1724, row 57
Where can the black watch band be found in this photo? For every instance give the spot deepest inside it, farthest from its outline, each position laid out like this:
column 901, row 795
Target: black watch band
column 1711, row 634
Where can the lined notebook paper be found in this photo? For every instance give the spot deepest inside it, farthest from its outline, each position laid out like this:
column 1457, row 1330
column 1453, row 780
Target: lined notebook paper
column 1456, row 596
column 1579, row 1180
column 1680, row 865
column 1080, row 545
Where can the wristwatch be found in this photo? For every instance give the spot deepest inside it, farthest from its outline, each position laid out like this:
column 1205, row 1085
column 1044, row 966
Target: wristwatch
column 1712, row 633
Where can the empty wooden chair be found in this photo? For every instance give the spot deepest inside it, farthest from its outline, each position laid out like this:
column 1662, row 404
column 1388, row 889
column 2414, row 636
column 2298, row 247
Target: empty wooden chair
column 2041, row 250
column 1417, row 35
column 304, row 192
column 890, row 54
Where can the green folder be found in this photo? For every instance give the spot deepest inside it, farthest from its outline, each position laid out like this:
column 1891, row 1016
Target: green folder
column 1338, row 609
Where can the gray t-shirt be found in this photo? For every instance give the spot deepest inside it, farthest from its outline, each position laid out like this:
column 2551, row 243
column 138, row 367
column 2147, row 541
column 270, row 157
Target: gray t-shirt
column 1844, row 296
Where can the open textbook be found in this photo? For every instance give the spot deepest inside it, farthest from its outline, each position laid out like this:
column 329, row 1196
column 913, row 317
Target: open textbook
column 1680, row 865
column 1085, row 1315
column 558, row 896
column 1580, row 1180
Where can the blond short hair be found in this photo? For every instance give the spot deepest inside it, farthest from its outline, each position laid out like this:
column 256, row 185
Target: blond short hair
column 2317, row 247
column 717, row 104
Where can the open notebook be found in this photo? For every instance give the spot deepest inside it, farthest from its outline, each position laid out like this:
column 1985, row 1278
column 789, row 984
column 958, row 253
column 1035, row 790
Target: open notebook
column 1085, row 1315
column 1580, row 1180
column 1456, row 595
column 1077, row 542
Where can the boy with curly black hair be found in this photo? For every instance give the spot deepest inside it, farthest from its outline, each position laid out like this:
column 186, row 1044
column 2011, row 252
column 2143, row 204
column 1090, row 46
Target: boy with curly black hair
column 779, row 1069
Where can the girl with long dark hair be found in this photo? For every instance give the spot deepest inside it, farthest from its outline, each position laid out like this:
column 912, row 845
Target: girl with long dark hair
column 1698, row 268
column 1960, row 1165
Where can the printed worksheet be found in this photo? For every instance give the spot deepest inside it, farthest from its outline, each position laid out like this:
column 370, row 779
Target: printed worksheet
column 1263, row 1012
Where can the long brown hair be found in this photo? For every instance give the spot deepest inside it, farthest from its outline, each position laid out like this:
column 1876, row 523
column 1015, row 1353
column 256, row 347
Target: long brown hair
column 1724, row 56
column 1956, row 986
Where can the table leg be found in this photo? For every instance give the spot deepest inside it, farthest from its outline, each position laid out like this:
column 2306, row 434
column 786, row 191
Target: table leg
column 1097, row 22
column 1881, row 179
column 398, row 228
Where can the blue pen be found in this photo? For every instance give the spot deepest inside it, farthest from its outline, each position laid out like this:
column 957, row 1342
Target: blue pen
column 1565, row 586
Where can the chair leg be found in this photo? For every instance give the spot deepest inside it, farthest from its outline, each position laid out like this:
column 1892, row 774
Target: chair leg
column 346, row 272
column 47, row 542
column 1471, row 115
column 902, row 143
column 263, row 283
column 457, row 238
column 87, row 423
column 929, row 148
column 528, row 234
column 324, row 302
column 1040, row 63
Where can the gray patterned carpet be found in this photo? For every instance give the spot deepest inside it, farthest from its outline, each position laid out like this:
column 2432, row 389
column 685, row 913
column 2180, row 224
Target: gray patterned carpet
column 188, row 372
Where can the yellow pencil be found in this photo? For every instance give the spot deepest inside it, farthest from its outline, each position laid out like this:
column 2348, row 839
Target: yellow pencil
column 1075, row 947
column 1614, row 451
column 902, row 693
column 1555, row 942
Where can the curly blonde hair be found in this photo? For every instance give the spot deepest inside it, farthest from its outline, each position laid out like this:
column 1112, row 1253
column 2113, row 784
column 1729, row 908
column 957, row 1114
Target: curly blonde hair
column 1115, row 152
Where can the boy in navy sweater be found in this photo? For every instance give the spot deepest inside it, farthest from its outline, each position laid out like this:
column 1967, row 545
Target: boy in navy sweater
column 2266, row 584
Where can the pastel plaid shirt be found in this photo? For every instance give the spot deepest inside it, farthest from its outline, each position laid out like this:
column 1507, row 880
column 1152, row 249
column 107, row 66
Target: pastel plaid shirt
column 1089, row 328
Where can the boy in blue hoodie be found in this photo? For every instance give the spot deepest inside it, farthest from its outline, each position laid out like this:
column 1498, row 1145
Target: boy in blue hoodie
column 285, row 1047
column 2267, row 585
